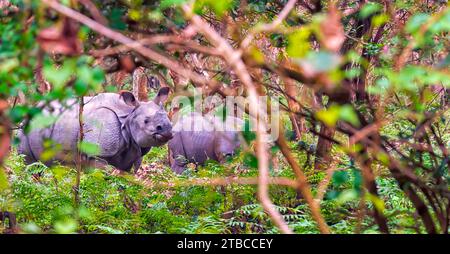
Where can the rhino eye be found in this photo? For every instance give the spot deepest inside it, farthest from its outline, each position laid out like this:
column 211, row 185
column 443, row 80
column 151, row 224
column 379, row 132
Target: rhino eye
column 146, row 121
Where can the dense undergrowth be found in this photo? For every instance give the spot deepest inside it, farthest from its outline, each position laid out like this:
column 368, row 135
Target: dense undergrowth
column 42, row 199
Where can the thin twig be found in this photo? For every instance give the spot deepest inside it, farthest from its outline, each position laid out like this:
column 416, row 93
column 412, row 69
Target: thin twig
column 406, row 52
column 271, row 26
column 303, row 185
column 96, row 14
column 138, row 47
column 323, row 185
column 233, row 58
column 79, row 163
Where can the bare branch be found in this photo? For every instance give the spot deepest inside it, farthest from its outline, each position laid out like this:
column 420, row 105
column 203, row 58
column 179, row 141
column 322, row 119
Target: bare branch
column 271, row 26
column 138, row 47
column 96, row 14
column 304, row 186
column 233, row 58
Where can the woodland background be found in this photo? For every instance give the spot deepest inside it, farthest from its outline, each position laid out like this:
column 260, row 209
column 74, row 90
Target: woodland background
column 364, row 87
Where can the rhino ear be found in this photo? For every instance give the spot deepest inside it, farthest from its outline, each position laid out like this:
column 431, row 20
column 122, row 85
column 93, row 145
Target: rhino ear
column 162, row 95
column 128, row 98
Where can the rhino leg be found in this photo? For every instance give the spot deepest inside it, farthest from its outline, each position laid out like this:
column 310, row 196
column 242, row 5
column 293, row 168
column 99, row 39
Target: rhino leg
column 175, row 145
column 137, row 165
column 138, row 162
column 177, row 165
column 98, row 163
column 24, row 148
column 177, row 168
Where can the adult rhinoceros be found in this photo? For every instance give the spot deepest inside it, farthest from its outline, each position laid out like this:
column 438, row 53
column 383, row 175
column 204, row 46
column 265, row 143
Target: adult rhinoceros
column 123, row 128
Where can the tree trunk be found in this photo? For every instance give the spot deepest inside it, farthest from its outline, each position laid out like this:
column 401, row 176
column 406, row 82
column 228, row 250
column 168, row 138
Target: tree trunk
column 43, row 85
column 291, row 96
column 119, row 78
column 371, row 186
column 323, row 150
column 140, row 81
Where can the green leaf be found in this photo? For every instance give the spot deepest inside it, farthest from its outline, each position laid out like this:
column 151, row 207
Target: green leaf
column 8, row 64
column 84, row 73
column 369, row 9
column 250, row 160
column 66, row 226
column 171, row 3
column 383, row 158
column 59, row 172
column 380, row 87
column 155, row 15
column 80, row 87
column 248, row 135
column 357, row 180
column 340, row 177
column 31, row 228
column 347, row 195
column 257, row 55
column 98, row 75
column 379, row 20
column 441, row 25
column 347, row 113
column 42, row 121
column 51, row 148
column 352, row 72
column 332, row 194
column 59, row 76
column 335, row 112
column 134, row 14
column 377, row 202
column 88, row 77
column 298, row 43
column 319, row 62
column 89, row 148
column 3, row 180
column 115, row 19
column 111, row 89
column 329, row 116
column 84, row 213
column 17, row 113
column 416, row 21
column 219, row 7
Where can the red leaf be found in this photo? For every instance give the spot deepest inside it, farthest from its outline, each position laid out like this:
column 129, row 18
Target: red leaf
column 61, row 39
column 332, row 30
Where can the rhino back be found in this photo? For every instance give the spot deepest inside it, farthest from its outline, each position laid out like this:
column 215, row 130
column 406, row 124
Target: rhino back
column 107, row 100
column 63, row 132
column 101, row 126
column 193, row 139
column 195, row 146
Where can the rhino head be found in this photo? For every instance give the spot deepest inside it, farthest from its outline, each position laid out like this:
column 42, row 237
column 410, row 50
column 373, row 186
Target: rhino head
column 226, row 144
column 148, row 122
column 226, row 136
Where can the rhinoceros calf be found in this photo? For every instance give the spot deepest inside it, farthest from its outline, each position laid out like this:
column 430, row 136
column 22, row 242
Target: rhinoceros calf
column 123, row 128
column 197, row 138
